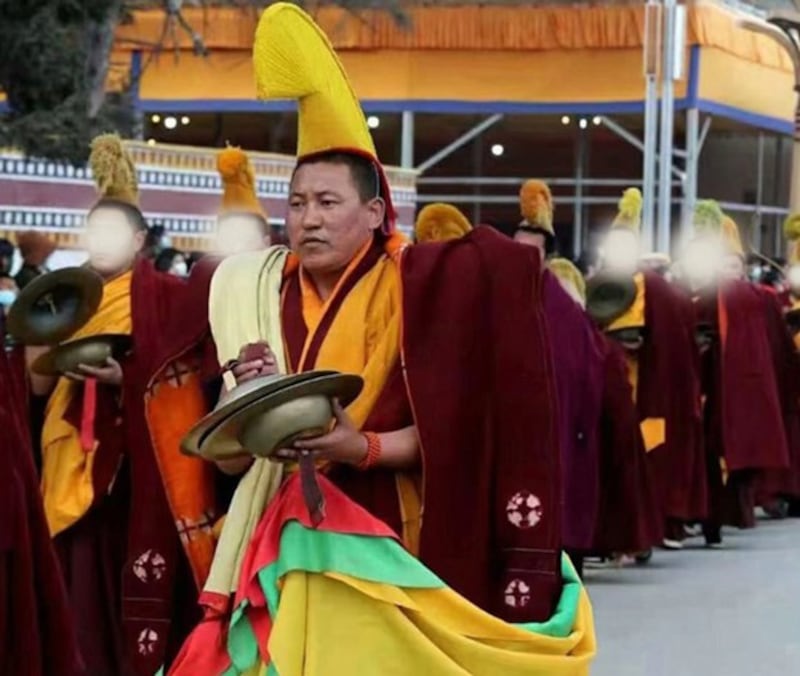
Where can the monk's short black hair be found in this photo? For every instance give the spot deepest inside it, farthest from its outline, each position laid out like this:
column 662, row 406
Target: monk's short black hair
column 363, row 171
column 132, row 213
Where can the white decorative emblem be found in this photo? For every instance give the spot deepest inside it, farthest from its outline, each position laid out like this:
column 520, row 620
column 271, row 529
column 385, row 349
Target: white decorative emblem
column 150, row 564
column 518, row 594
column 524, row 510
column 147, row 641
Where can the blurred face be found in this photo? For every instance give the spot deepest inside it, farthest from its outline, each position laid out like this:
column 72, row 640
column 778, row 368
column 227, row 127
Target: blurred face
column 621, row 251
column 530, row 238
column 328, row 223
column 733, row 268
column 239, row 233
column 702, row 262
column 112, row 241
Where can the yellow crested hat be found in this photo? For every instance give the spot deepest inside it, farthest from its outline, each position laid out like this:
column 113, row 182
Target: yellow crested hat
column 113, row 170
column 440, row 223
column 293, row 59
column 536, row 206
column 629, row 211
column 707, row 218
column 238, row 183
column 566, row 271
column 731, row 236
column 791, row 230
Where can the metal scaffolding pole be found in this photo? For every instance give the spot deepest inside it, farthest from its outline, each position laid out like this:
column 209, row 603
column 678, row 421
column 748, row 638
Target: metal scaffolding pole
column 407, row 140
column 784, row 28
column 462, row 140
column 667, row 127
column 581, row 151
column 652, row 50
column 690, row 178
column 756, row 236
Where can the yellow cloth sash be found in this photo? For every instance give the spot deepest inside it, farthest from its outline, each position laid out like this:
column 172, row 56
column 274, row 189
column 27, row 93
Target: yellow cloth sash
column 254, row 281
column 67, row 486
column 634, row 315
column 654, row 431
column 364, row 337
column 332, row 624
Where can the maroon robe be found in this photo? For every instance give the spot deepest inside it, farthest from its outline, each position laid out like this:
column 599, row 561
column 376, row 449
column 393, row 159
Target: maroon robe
column 782, row 483
column 752, row 423
column 375, row 490
column 479, row 370
column 629, row 515
column 36, row 633
column 133, row 596
column 743, row 421
column 669, row 388
column 578, row 367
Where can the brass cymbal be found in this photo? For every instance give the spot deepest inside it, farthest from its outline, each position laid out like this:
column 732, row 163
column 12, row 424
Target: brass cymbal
column 91, row 351
column 609, row 296
column 52, row 307
column 240, row 396
column 273, row 416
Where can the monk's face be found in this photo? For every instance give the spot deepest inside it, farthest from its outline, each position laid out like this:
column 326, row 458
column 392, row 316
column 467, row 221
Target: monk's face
column 328, row 220
column 239, row 233
column 112, row 241
column 530, row 238
column 733, row 267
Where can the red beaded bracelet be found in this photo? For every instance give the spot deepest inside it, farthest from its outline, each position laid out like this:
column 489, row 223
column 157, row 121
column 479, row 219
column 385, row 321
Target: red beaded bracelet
column 373, row 451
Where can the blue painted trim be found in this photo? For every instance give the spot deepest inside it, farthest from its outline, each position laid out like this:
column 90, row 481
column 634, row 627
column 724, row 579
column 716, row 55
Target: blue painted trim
column 4, row 107
column 398, row 106
column 693, row 85
column 765, row 122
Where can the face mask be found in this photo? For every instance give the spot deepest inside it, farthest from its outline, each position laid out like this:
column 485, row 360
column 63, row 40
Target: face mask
column 7, row 297
column 180, row 269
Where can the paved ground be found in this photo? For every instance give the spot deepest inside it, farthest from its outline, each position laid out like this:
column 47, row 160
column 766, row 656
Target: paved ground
column 731, row 612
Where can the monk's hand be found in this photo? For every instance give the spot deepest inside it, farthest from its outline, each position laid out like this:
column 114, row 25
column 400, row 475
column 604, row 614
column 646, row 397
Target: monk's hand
column 344, row 443
column 255, row 360
column 109, row 374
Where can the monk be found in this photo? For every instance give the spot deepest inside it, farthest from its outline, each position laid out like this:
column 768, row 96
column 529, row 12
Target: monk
column 578, row 370
column 626, row 512
column 125, row 552
column 743, row 421
column 478, row 417
column 656, row 332
column 242, row 223
column 37, row 635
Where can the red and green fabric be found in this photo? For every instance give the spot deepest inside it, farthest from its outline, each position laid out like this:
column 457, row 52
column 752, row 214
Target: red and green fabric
column 347, row 597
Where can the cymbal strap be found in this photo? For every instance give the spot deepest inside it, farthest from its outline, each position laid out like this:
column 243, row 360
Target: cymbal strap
column 312, row 494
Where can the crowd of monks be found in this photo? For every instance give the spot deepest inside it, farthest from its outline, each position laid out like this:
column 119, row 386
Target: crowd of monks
column 515, row 420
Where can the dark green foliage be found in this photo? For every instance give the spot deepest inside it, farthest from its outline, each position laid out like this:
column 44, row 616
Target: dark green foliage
column 54, row 57
column 53, row 64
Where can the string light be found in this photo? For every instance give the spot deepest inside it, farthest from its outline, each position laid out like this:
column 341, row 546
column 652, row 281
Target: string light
column 170, row 122
column 498, row 150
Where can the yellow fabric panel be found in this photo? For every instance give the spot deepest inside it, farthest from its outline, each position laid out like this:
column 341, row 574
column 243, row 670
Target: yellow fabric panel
column 473, row 28
column 756, row 88
column 374, row 305
column 426, row 75
column 634, row 316
column 66, row 468
column 654, row 432
column 335, row 627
